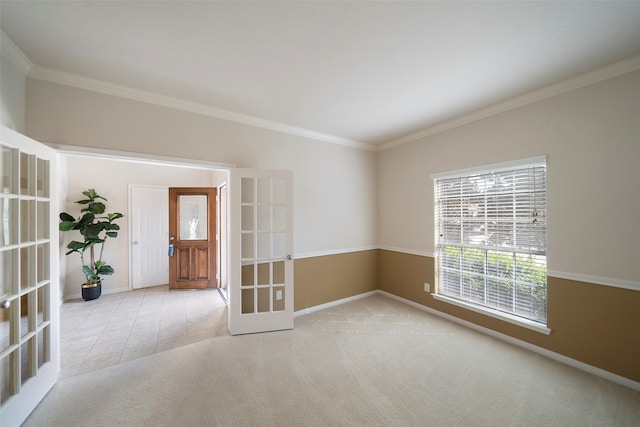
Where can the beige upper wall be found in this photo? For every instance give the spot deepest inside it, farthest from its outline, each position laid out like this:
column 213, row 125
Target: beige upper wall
column 12, row 96
column 591, row 137
column 334, row 186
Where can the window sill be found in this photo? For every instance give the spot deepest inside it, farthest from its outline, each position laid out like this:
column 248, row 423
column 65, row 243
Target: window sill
column 534, row 326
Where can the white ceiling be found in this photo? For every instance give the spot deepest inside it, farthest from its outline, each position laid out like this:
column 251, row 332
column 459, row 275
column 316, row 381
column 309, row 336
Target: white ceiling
column 370, row 72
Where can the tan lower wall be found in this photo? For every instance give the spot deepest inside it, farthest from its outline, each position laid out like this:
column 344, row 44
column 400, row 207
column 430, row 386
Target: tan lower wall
column 323, row 279
column 590, row 323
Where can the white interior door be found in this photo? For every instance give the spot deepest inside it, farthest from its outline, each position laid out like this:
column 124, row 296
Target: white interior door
column 149, row 235
column 261, row 244
column 29, row 271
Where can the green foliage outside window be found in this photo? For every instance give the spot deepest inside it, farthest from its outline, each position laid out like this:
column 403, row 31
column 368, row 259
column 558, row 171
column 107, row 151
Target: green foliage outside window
column 505, row 281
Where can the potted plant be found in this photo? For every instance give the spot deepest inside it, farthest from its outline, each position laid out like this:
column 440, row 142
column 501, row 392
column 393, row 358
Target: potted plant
column 96, row 227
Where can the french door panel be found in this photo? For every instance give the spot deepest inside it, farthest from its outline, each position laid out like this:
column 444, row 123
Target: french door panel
column 29, row 295
column 261, row 244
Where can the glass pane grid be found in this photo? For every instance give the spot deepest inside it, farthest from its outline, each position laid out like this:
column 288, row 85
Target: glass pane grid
column 27, row 174
column 263, row 226
column 9, row 215
column 25, row 268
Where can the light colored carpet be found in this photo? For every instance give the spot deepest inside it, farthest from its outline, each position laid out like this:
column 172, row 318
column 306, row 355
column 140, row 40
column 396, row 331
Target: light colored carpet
column 372, row 362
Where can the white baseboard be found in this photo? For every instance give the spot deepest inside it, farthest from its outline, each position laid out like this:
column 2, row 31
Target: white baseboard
column 333, row 303
column 528, row 346
column 104, row 292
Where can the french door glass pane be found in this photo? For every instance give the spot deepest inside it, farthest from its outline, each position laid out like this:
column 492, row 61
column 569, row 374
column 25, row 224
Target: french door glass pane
column 26, row 350
column 5, row 330
column 43, row 297
column 8, row 176
column 8, row 271
column 27, row 264
column 9, row 214
column 42, row 225
column 27, row 221
column 42, row 263
column 42, row 182
column 7, row 377
column 44, row 337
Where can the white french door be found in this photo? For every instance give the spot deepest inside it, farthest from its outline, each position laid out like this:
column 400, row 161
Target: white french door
column 149, row 222
column 29, row 270
column 261, row 244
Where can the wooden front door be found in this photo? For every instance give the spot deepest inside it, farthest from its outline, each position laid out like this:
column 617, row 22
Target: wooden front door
column 192, row 234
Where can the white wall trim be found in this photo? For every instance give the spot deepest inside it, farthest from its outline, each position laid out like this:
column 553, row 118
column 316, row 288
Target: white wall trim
column 608, row 72
column 523, row 344
column 13, row 53
column 595, row 280
column 94, row 85
column 407, row 251
column 139, row 157
column 334, row 252
column 313, row 309
column 604, row 281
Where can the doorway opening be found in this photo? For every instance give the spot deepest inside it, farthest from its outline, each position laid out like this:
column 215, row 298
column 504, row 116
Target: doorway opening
column 204, row 313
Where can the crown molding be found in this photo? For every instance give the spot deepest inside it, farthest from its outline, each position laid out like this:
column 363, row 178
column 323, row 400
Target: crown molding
column 130, row 156
column 13, row 53
column 77, row 81
column 608, row 72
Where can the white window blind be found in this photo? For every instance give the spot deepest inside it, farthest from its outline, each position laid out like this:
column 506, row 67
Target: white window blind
column 491, row 238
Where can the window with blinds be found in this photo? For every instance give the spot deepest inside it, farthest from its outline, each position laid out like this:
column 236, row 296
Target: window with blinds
column 491, row 237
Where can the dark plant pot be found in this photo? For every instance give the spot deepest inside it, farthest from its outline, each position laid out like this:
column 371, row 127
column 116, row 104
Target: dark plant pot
column 91, row 291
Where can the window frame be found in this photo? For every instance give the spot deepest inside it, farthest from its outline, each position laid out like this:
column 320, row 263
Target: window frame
column 487, row 171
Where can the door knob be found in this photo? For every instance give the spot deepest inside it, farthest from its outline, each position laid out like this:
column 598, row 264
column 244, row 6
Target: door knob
column 5, row 304
column 289, row 257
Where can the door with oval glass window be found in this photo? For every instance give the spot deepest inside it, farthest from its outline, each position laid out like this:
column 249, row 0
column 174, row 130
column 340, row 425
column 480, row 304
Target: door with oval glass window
column 192, row 238
column 29, row 298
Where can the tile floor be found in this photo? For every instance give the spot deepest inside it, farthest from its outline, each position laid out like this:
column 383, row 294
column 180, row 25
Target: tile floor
column 128, row 325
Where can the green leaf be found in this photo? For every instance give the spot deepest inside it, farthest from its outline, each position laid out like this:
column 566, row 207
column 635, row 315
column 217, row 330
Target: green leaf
column 105, row 270
column 113, row 216
column 86, row 219
column 96, row 207
column 90, row 193
column 112, row 234
column 77, row 246
column 67, row 225
column 93, row 195
column 88, row 271
column 66, row 217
